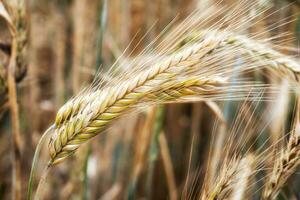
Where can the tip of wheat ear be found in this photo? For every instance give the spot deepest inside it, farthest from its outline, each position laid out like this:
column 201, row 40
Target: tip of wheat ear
column 276, row 61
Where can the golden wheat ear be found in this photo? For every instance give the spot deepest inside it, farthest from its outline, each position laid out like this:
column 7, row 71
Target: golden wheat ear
column 233, row 179
column 201, row 70
column 198, row 71
column 284, row 167
column 286, row 163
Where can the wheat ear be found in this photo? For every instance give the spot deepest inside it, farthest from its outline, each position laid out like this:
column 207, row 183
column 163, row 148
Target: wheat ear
column 87, row 115
column 226, row 180
column 284, row 167
column 233, row 179
column 77, row 124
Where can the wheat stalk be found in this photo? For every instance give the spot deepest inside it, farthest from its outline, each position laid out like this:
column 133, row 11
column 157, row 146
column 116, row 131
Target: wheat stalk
column 3, row 85
column 14, row 14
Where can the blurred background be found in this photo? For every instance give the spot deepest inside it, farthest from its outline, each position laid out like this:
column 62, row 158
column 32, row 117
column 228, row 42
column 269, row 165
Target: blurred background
column 160, row 153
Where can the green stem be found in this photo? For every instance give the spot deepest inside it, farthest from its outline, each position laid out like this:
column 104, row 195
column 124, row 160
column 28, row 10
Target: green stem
column 86, row 178
column 154, row 148
column 34, row 161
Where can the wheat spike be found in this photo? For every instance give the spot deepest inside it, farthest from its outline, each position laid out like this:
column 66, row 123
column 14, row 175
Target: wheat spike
column 87, row 115
column 171, row 78
column 226, row 180
column 284, row 167
column 96, row 113
column 233, row 179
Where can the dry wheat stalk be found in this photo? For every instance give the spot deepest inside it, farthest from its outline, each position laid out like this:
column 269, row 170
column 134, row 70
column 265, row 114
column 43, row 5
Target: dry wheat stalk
column 14, row 13
column 3, row 85
column 284, row 167
column 17, row 12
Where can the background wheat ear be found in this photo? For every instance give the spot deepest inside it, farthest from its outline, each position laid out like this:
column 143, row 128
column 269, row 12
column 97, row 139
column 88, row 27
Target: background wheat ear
column 284, row 167
column 232, row 179
column 286, row 163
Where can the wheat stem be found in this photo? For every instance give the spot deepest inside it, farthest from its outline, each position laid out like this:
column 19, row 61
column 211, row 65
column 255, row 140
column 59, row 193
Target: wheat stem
column 35, row 161
column 40, row 188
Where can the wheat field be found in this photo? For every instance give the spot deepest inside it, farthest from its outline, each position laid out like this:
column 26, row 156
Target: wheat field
column 140, row 99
